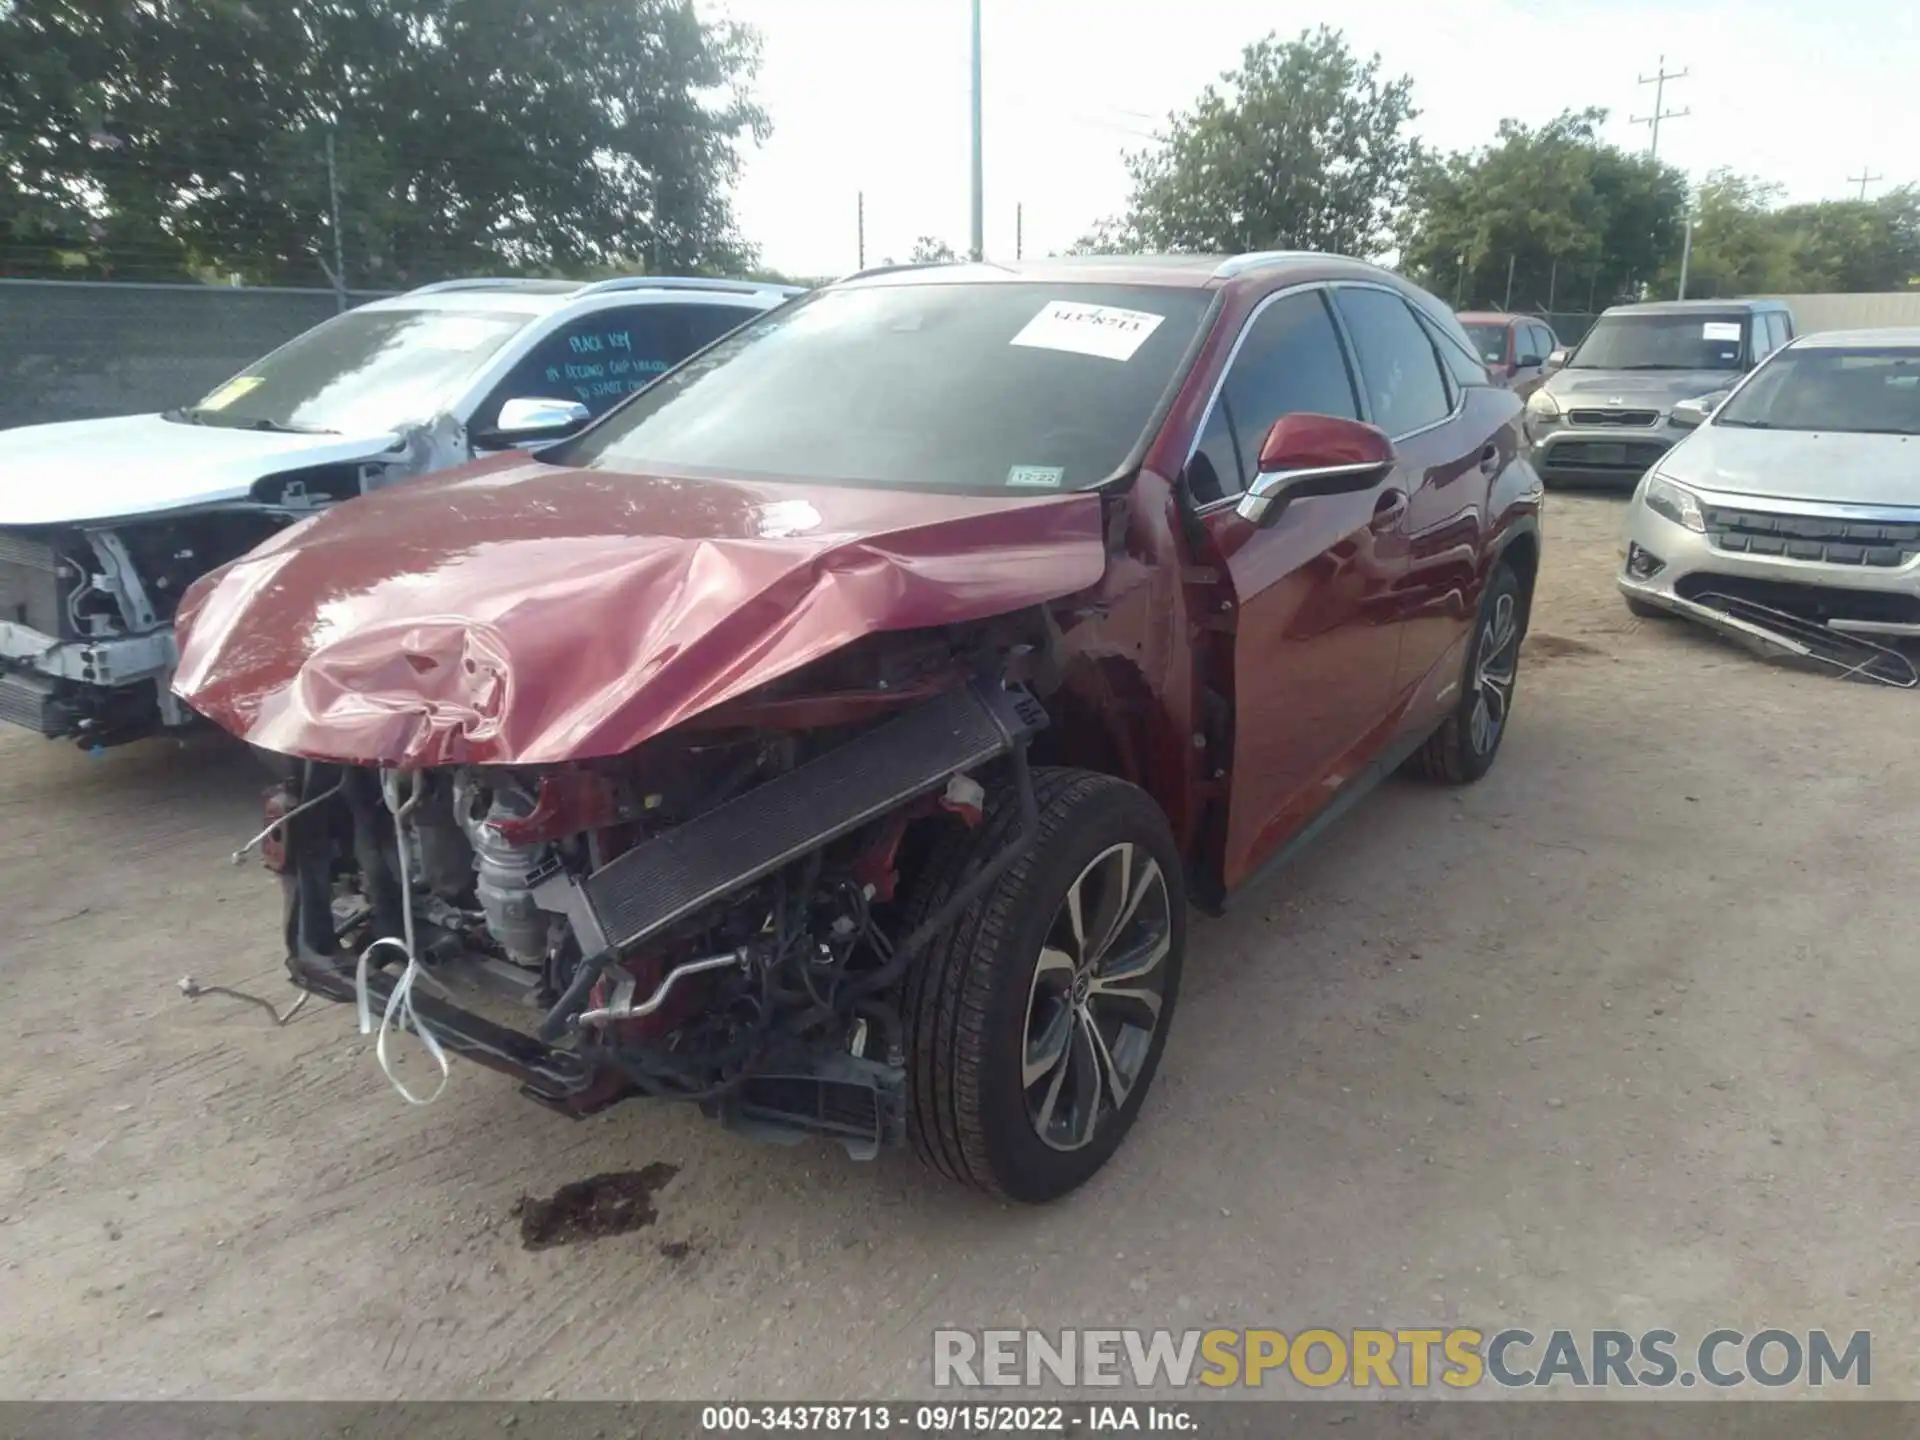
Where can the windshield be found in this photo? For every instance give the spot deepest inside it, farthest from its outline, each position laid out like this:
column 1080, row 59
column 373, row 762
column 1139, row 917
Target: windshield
column 1489, row 341
column 958, row 386
column 1662, row 342
column 1868, row 392
column 364, row 370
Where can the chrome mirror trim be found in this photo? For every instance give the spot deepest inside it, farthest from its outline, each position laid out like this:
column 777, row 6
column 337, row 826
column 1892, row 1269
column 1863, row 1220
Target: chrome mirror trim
column 1271, row 486
column 537, row 418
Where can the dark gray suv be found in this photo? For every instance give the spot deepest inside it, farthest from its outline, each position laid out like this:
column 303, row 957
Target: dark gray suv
column 1608, row 413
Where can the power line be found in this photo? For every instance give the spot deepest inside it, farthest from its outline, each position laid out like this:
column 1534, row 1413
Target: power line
column 1863, row 179
column 1659, row 82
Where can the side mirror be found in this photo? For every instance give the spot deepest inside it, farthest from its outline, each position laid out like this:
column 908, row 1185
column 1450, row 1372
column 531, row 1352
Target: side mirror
column 1314, row 455
column 1558, row 359
column 1691, row 414
column 529, row 422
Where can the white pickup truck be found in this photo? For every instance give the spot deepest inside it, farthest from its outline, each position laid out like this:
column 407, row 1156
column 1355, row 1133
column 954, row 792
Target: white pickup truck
column 103, row 523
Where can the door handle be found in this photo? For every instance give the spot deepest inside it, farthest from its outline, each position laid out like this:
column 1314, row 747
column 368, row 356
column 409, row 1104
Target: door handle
column 1490, row 460
column 1389, row 510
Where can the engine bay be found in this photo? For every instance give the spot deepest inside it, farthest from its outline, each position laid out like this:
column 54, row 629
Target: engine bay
column 717, row 918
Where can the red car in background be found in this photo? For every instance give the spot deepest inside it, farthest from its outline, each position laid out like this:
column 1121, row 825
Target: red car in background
column 1518, row 350
column 835, row 735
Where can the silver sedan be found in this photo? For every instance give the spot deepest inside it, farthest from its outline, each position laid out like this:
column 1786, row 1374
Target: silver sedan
column 1796, row 502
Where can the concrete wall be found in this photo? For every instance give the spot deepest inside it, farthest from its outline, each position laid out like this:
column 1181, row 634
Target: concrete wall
column 1814, row 313
column 75, row 350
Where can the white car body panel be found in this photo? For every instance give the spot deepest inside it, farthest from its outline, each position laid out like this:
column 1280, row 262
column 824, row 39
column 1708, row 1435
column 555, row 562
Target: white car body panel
column 1825, row 466
column 88, row 470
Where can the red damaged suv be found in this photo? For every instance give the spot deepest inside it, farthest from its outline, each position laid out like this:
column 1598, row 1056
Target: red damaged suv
column 836, row 734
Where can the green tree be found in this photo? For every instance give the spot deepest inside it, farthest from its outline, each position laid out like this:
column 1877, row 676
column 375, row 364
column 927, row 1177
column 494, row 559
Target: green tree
column 1566, row 218
column 1304, row 146
column 1856, row 245
column 930, row 250
column 1740, row 246
column 468, row 134
column 1107, row 237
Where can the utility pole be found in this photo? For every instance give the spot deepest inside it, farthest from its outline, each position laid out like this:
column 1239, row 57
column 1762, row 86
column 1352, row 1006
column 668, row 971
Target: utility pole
column 1508, row 305
column 339, row 246
column 1019, row 231
column 860, row 224
column 1686, row 252
column 1863, row 179
column 979, row 247
column 1659, row 82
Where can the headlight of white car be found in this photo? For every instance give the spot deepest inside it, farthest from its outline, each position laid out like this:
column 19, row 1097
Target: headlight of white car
column 1675, row 503
column 1542, row 406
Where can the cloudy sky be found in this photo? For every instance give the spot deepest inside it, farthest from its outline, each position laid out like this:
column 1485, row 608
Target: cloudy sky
column 873, row 95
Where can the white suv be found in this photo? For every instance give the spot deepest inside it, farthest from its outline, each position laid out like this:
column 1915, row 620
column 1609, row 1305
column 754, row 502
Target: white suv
column 103, row 523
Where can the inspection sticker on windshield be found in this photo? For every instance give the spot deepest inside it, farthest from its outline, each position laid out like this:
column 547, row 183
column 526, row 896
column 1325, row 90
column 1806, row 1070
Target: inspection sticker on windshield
column 1045, row 477
column 1103, row 330
column 1721, row 330
column 230, row 392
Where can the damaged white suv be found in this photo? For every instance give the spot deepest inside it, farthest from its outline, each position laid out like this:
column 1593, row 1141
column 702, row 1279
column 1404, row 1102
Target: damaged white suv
column 103, row 523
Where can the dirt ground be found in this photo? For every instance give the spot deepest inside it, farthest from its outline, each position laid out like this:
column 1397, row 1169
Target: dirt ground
column 1620, row 1037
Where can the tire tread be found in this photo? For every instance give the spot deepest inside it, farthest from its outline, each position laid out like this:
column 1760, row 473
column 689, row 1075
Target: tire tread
column 947, row 993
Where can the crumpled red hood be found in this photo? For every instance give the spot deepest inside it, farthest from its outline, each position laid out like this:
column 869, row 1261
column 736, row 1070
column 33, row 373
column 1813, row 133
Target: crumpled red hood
column 516, row 613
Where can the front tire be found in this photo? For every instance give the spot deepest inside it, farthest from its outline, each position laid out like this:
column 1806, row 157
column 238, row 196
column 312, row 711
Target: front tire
column 1640, row 609
column 1036, row 1021
column 1464, row 747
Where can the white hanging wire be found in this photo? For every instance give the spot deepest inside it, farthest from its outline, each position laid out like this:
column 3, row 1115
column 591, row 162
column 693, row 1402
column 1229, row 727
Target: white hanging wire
column 399, row 1012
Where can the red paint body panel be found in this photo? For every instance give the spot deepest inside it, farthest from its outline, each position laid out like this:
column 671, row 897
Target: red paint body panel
column 516, row 613
column 1315, row 649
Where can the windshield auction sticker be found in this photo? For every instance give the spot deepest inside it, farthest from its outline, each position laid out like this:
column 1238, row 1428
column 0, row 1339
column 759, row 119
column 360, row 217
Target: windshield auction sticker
column 1720, row 330
column 1103, row 330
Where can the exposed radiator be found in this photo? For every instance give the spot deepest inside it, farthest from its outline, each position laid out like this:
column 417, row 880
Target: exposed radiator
column 673, row 875
column 32, row 591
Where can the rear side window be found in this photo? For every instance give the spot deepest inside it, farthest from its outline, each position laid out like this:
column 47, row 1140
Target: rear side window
column 1398, row 367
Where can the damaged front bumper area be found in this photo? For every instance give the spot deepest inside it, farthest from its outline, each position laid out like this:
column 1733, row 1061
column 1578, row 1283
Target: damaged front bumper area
column 87, row 647
column 1830, row 584
column 746, row 957
column 86, row 651
column 98, row 691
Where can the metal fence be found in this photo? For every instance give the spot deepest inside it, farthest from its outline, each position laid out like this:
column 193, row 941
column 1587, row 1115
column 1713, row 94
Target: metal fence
column 75, row 350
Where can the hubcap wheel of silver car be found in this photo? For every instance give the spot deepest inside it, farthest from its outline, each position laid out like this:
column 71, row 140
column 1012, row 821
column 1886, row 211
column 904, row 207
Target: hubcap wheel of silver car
column 1098, row 989
column 1498, row 660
